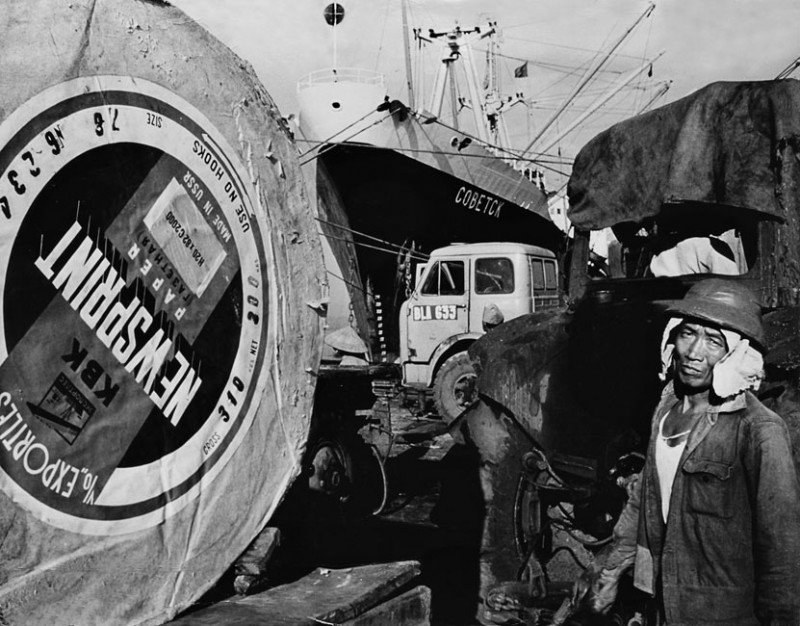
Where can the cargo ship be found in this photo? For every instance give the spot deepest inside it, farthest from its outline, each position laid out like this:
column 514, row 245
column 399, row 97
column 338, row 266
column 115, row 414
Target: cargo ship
column 393, row 179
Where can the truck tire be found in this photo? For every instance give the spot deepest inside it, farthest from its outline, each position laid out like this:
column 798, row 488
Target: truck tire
column 345, row 469
column 454, row 387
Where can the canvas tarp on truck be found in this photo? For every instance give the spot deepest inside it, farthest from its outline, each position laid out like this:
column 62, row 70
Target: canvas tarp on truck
column 728, row 149
column 720, row 145
column 157, row 346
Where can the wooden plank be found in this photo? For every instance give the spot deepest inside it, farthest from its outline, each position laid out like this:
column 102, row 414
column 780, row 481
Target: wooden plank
column 412, row 608
column 324, row 596
column 249, row 568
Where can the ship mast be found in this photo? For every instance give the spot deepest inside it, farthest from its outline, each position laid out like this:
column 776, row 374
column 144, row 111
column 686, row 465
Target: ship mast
column 587, row 77
column 789, row 69
column 407, row 48
column 601, row 101
column 663, row 89
column 456, row 47
column 494, row 102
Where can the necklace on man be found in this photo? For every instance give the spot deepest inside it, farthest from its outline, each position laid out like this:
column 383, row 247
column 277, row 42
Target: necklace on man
column 675, row 436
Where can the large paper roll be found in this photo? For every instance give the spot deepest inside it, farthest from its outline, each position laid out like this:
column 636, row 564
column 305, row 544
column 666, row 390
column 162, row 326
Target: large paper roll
column 157, row 350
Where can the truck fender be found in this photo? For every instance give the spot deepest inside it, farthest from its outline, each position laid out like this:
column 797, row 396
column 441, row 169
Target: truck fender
column 447, row 348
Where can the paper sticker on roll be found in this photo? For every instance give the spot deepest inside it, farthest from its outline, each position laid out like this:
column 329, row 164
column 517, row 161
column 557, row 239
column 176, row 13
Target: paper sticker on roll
column 186, row 238
column 132, row 316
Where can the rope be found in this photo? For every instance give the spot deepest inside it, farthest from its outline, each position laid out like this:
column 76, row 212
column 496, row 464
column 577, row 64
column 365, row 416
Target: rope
column 384, row 480
column 360, row 119
column 560, row 80
column 554, row 66
column 555, row 45
column 442, row 152
column 346, row 282
column 366, row 245
column 383, row 34
column 511, row 154
column 418, row 256
column 333, row 145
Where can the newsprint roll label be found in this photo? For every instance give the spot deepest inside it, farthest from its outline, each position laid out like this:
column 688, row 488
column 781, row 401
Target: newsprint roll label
column 132, row 320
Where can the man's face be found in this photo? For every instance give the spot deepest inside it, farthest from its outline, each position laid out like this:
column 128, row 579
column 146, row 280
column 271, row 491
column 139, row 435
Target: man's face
column 698, row 348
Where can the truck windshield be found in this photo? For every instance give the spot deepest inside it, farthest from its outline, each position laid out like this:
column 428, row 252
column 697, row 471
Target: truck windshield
column 446, row 278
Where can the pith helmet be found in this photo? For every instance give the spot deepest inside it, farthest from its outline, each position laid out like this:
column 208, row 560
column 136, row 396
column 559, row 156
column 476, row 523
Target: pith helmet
column 726, row 303
column 492, row 315
column 346, row 339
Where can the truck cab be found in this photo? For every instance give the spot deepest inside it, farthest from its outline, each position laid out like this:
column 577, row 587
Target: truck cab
column 463, row 290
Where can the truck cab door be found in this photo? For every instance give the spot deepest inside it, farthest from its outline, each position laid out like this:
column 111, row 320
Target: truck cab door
column 438, row 308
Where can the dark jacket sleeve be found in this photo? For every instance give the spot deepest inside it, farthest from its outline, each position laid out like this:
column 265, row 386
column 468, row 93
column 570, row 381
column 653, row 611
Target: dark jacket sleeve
column 614, row 559
column 776, row 521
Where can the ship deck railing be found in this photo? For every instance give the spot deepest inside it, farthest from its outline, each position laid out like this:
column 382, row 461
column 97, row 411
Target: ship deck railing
column 342, row 74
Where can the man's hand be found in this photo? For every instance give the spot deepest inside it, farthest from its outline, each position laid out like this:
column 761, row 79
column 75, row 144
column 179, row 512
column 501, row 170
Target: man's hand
column 583, row 586
column 533, row 574
column 596, row 588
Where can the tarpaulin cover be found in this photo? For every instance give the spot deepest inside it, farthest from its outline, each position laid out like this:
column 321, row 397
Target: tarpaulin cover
column 159, row 329
column 719, row 145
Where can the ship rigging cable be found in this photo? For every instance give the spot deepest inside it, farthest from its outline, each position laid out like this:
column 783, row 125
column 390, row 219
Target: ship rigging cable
column 388, row 244
column 346, row 282
column 331, row 146
column 371, row 247
column 512, row 156
column 339, row 132
column 557, row 67
column 367, row 245
column 556, row 45
column 551, row 158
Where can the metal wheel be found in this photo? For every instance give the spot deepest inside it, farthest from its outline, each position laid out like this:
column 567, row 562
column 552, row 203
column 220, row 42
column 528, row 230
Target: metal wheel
column 531, row 533
column 349, row 471
column 330, row 469
column 454, row 387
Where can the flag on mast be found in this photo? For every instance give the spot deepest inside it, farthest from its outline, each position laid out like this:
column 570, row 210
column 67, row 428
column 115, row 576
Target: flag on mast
column 521, row 71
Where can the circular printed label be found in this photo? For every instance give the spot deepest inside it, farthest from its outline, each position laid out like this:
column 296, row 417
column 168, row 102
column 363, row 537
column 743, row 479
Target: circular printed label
column 132, row 313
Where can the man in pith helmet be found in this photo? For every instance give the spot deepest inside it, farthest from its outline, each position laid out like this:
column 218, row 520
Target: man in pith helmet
column 712, row 525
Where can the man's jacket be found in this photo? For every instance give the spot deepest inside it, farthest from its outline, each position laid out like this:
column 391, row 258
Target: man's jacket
column 730, row 551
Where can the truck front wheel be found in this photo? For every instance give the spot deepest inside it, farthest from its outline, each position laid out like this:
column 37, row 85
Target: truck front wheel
column 454, row 387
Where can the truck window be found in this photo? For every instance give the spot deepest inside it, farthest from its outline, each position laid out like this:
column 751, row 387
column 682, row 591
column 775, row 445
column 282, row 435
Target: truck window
column 537, row 272
column 550, row 275
column 494, row 276
column 687, row 239
column 445, row 279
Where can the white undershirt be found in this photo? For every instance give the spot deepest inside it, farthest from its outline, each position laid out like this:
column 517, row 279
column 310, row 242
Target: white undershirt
column 667, row 461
